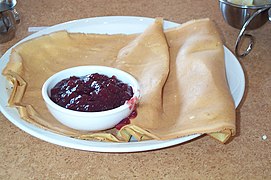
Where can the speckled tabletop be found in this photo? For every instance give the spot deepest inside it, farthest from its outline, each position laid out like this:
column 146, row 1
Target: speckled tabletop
column 246, row 156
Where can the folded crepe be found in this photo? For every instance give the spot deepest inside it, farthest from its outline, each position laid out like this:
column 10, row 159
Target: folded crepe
column 181, row 72
column 196, row 97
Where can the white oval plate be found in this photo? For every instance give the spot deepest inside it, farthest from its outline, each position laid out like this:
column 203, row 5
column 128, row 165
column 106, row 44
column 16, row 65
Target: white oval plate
column 110, row 25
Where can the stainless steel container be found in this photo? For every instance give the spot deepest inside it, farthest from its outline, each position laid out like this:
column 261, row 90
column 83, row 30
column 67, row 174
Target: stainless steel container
column 236, row 15
column 9, row 18
column 245, row 18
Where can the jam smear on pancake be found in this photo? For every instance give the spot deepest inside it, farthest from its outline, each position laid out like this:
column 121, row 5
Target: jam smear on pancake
column 91, row 93
column 126, row 121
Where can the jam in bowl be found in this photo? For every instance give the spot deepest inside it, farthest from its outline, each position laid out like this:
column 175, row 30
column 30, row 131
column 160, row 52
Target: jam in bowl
column 91, row 98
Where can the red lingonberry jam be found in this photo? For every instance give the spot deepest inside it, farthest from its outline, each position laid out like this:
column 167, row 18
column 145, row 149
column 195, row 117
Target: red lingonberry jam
column 91, row 93
column 126, row 121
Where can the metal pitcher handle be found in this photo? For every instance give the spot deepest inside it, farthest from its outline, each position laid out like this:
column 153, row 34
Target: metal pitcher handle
column 269, row 14
column 16, row 16
column 242, row 34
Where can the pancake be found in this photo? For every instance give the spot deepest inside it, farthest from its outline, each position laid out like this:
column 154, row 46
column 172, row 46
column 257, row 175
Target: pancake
column 196, row 97
column 181, row 72
column 33, row 62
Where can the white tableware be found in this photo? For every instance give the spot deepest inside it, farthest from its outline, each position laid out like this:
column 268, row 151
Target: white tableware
column 110, row 25
column 90, row 121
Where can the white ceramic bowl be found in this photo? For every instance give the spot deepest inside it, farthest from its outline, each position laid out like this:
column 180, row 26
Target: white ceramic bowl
column 90, row 121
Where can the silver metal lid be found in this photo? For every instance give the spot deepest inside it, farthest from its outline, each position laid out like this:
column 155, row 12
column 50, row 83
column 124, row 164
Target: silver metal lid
column 7, row 5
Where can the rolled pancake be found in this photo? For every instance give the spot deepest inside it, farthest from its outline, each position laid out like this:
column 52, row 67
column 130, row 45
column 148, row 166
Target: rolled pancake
column 181, row 72
column 196, row 97
column 147, row 59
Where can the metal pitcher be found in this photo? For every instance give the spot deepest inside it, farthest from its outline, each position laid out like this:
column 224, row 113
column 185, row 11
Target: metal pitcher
column 9, row 18
column 245, row 17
